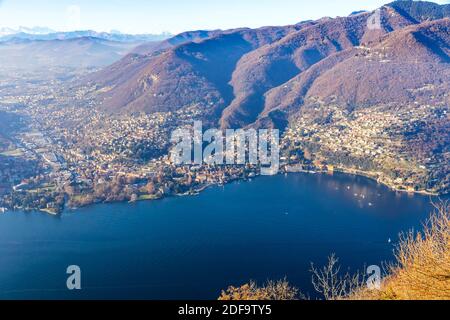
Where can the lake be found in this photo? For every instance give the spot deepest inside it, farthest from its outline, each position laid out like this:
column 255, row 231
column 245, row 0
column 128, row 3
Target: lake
column 193, row 247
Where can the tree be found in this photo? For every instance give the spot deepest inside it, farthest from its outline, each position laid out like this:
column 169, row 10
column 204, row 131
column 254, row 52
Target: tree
column 280, row 290
column 423, row 260
column 329, row 282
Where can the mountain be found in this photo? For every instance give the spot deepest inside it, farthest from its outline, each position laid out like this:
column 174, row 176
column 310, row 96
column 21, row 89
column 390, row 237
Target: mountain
column 186, row 71
column 121, row 71
column 86, row 52
column 251, row 77
column 30, row 31
column 260, row 85
column 387, row 72
column 420, row 10
column 390, row 70
column 41, row 48
column 182, row 38
column 48, row 34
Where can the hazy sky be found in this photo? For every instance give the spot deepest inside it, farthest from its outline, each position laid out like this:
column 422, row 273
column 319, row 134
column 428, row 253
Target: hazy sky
column 156, row 16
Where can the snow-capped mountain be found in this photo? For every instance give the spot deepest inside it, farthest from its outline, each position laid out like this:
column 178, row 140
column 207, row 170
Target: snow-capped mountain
column 33, row 31
column 42, row 33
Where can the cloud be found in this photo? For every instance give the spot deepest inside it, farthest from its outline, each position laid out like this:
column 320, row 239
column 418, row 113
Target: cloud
column 73, row 13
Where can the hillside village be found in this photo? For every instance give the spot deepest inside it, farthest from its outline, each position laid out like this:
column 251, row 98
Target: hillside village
column 346, row 98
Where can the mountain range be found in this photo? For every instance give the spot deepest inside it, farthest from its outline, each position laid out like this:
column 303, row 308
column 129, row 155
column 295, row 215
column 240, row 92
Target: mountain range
column 253, row 77
column 41, row 48
column 77, row 53
column 43, row 33
column 32, row 31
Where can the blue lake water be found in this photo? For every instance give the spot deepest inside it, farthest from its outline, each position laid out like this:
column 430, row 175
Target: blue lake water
column 193, row 247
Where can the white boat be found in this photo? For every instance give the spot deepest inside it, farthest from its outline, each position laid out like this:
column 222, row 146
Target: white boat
column 3, row 210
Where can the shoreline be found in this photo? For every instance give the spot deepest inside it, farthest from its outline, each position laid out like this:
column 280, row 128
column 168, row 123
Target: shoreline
column 391, row 187
column 363, row 174
column 285, row 171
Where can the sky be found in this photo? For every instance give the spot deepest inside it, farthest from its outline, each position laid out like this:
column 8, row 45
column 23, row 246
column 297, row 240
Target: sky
column 174, row 16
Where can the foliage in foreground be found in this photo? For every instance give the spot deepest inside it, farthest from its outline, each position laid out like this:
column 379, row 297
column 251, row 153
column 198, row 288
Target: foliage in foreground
column 421, row 271
column 280, row 290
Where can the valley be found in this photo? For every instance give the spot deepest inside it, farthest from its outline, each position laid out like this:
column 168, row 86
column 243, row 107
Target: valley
column 94, row 126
